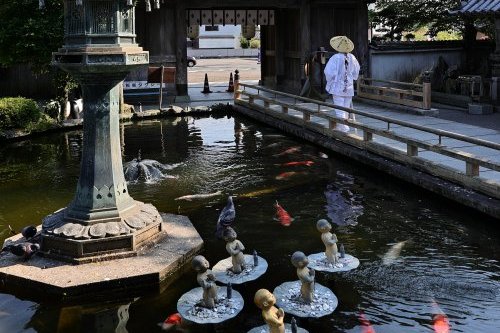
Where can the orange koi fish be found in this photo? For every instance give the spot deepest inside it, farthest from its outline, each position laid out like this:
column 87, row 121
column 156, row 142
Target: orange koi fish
column 282, row 215
column 174, row 320
column 299, row 163
column 285, row 175
column 366, row 326
column 440, row 321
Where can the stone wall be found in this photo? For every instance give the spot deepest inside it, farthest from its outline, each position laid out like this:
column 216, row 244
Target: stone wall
column 406, row 60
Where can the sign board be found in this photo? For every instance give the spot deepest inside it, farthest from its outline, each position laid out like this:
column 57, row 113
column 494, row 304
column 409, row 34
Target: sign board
column 155, row 75
column 139, row 85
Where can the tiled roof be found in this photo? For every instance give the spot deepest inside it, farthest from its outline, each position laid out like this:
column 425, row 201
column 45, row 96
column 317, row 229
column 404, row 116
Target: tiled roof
column 479, row 7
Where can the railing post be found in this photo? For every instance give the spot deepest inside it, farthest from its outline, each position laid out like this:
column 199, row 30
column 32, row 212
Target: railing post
column 367, row 136
column 471, row 169
column 284, row 109
column 236, row 84
column 331, row 124
column 266, row 104
column 426, row 90
column 307, row 116
column 411, row 150
column 359, row 82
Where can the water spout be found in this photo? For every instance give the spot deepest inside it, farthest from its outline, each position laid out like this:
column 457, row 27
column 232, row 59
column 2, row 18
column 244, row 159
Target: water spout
column 150, row 171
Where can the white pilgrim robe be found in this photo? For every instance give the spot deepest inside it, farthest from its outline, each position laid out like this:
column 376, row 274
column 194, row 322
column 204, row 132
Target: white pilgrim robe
column 337, row 83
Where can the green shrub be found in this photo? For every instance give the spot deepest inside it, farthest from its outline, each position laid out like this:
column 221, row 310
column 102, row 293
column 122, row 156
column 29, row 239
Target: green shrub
column 244, row 43
column 254, row 43
column 43, row 124
column 18, row 112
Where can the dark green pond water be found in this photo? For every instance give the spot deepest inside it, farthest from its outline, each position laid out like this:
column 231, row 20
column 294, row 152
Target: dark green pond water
column 450, row 257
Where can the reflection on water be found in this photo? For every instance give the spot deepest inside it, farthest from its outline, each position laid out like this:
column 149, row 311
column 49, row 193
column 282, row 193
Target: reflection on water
column 447, row 258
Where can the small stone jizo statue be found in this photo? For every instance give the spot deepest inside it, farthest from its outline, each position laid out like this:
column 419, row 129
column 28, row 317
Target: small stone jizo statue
column 329, row 239
column 306, row 276
column 273, row 316
column 206, row 280
column 235, row 249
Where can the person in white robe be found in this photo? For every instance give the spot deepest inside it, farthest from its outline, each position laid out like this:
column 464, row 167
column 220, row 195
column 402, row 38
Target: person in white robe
column 341, row 71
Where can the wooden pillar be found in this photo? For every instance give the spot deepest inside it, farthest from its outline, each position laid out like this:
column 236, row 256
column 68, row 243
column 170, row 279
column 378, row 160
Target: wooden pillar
column 305, row 36
column 281, row 29
column 495, row 65
column 362, row 32
column 181, row 78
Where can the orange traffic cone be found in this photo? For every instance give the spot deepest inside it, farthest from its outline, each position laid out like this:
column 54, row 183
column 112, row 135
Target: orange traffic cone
column 230, row 88
column 206, row 87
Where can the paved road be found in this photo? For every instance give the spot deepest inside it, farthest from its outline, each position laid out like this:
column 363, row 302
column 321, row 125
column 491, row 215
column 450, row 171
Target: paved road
column 218, row 69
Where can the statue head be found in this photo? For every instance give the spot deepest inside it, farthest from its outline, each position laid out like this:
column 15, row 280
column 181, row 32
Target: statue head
column 299, row 259
column 229, row 234
column 200, row 264
column 323, row 226
column 264, row 299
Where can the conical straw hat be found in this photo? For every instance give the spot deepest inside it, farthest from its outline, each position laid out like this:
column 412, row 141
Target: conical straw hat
column 342, row 44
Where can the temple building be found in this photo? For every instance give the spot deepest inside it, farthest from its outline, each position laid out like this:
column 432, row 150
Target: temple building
column 289, row 29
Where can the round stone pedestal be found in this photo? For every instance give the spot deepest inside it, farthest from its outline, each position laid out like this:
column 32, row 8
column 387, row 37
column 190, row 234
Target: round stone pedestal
column 224, row 275
column 225, row 309
column 319, row 262
column 288, row 297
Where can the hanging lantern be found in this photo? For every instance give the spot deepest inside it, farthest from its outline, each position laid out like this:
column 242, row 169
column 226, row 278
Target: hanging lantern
column 248, row 31
column 79, row 2
column 41, row 4
column 157, row 4
column 193, row 31
column 148, row 6
column 130, row 3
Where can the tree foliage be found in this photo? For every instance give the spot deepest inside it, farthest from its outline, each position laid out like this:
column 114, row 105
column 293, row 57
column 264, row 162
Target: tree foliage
column 29, row 35
column 398, row 16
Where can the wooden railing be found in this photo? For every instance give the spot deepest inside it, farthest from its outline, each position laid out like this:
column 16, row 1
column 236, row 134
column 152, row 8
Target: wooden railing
column 409, row 94
column 469, row 176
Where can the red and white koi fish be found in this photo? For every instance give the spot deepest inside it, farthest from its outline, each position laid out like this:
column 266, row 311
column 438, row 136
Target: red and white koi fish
column 290, row 150
column 173, row 321
column 366, row 326
column 282, row 215
column 285, row 175
column 299, row 163
column 440, row 321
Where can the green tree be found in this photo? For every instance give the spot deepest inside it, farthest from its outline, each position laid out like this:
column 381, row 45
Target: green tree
column 29, row 35
column 398, row 16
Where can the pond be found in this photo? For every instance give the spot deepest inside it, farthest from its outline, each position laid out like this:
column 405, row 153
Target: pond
column 420, row 255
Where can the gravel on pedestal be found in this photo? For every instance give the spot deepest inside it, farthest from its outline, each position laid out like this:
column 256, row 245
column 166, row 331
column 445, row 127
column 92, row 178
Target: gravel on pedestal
column 265, row 329
column 225, row 309
column 288, row 298
column 319, row 262
column 224, row 275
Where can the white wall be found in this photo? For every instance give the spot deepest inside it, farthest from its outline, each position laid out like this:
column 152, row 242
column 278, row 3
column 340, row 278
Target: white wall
column 227, row 37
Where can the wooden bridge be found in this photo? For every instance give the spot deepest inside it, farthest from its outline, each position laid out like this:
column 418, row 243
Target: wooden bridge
column 458, row 161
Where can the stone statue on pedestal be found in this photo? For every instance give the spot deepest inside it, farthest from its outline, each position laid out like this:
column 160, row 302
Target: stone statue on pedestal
column 273, row 316
column 235, row 249
column 306, row 276
column 206, row 280
column 329, row 239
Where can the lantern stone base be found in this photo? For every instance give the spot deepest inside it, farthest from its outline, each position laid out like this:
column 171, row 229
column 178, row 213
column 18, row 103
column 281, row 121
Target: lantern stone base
column 149, row 269
column 93, row 250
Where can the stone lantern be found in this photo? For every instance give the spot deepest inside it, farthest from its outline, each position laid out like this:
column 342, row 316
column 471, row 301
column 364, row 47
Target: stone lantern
column 103, row 221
